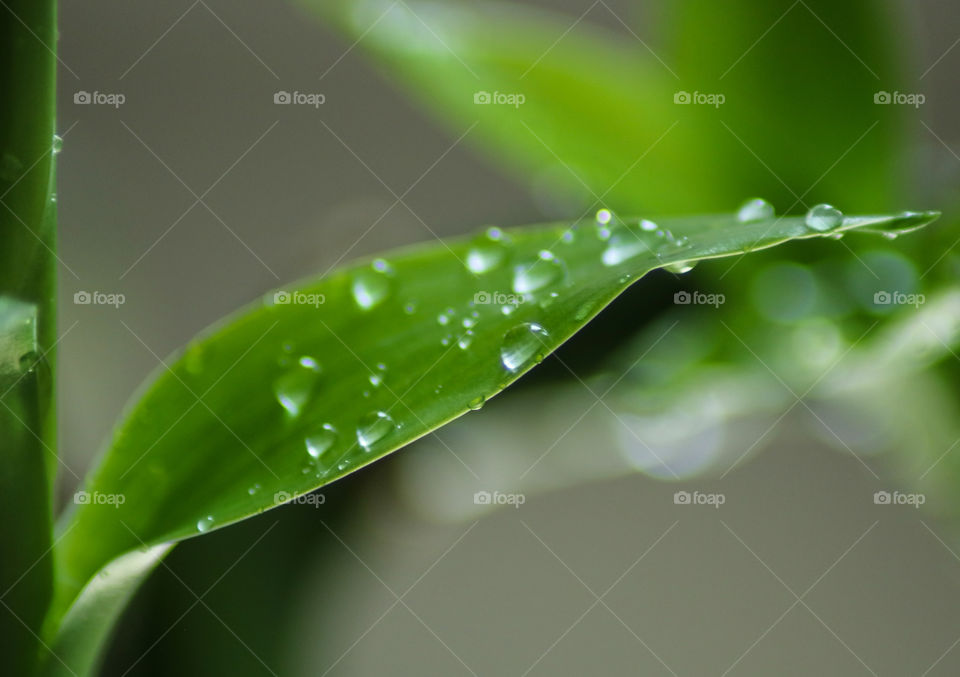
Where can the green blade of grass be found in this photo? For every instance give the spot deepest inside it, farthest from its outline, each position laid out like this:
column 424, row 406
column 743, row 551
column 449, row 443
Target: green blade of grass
column 27, row 325
column 324, row 377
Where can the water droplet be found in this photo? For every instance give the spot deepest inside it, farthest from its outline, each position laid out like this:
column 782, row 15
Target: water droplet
column 755, row 209
column 293, row 389
column 254, row 489
column 446, row 340
column 604, row 217
column 823, row 217
column 487, row 252
column 371, row 286
column 468, row 322
column 569, row 236
column 476, row 403
column 28, row 361
column 465, row 340
column 681, row 267
column 204, row 523
column 321, row 441
column 375, row 380
column 648, row 226
column 521, row 344
column 890, row 235
column 373, row 427
column 534, row 275
column 410, row 308
column 625, row 244
column 57, row 144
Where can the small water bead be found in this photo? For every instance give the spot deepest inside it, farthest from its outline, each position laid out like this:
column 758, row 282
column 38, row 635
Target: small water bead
column 755, row 209
column 521, row 344
column 625, row 244
column 507, row 309
column 465, row 340
column 648, row 226
column 823, row 217
column 254, row 489
column 321, row 441
column 204, row 523
column 468, row 322
column 569, row 236
column 294, row 388
column 374, row 427
column 890, row 235
column 57, row 144
column 604, row 217
column 681, row 267
column 444, row 317
column 446, row 340
column 541, row 272
column 375, row 380
column 410, row 308
column 487, row 252
column 371, row 286
column 476, row 403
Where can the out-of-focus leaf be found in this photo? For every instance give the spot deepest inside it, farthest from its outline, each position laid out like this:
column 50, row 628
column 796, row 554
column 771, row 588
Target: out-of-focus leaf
column 326, row 376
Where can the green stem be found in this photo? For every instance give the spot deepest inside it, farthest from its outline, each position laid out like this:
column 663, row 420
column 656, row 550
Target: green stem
column 27, row 325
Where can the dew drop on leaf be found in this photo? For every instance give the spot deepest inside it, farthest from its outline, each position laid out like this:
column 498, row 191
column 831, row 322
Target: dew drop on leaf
column 538, row 273
column 204, row 523
column 371, row 286
column 823, row 217
column 373, row 427
column 321, row 441
column 294, row 388
column 755, row 209
column 521, row 344
column 487, row 252
column 624, row 244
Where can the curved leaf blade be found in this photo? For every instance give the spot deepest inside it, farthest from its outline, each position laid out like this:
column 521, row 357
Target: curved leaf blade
column 324, row 377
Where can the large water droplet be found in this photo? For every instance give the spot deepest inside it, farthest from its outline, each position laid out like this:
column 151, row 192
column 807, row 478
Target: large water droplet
column 321, row 442
column 534, row 275
column 294, row 388
column 823, row 217
column 476, row 403
column 625, row 244
column 371, row 286
column 521, row 344
column 681, row 267
column 373, row 427
column 204, row 523
column 755, row 209
column 487, row 252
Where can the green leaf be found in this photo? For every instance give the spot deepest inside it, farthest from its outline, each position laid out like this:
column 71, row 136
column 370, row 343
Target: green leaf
column 27, row 325
column 360, row 363
column 595, row 101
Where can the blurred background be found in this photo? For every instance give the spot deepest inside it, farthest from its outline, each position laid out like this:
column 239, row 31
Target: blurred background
column 827, row 375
